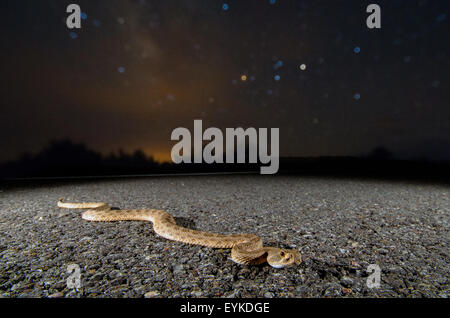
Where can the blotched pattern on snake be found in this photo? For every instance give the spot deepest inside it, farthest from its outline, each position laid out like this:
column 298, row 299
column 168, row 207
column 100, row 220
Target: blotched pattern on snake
column 246, row 249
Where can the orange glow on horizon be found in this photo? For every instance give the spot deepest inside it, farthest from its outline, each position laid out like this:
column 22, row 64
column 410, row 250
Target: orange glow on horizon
column 160, row 156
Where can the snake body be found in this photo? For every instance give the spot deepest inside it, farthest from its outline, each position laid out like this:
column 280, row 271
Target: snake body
column 246, row 249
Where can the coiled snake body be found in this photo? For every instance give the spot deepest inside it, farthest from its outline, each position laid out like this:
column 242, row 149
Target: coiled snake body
column 246, row 249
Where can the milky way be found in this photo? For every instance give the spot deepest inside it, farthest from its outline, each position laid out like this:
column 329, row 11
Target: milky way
column 136, row 70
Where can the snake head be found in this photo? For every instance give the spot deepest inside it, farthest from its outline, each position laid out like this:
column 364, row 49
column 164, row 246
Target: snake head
column 279, row 258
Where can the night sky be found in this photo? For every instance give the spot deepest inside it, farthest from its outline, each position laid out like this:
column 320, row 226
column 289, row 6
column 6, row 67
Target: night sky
column 136, row 70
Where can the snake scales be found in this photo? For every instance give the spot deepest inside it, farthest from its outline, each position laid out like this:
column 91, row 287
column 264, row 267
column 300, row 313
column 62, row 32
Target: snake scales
column 246, row 249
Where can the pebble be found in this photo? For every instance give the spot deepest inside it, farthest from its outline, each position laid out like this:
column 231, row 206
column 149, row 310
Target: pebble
column 383, row 251
column 406, row 221
column 178, row 269
column 152, row 294
column 347, row 282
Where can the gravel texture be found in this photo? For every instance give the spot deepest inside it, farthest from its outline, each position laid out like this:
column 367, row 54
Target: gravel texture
column 339, row 225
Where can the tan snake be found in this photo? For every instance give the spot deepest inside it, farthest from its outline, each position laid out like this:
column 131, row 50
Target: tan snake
column 246, row 249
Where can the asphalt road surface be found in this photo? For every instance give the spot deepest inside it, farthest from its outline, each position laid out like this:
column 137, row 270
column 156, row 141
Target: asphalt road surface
column 343, row 228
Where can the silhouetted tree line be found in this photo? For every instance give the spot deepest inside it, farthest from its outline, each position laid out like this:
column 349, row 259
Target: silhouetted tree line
column 64, row 158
